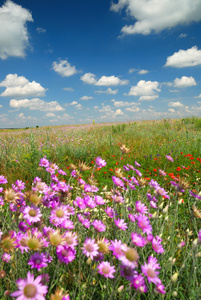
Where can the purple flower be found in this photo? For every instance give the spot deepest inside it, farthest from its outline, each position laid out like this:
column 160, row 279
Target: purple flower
column 136, row 163
column 30, row 288
column 106, row 270
column 120, row 224
column 100, row 162
column 194, row 195
column 32, row 214
column 110, row 212
column 141, row 207
column 139, row 284
column 138, row 173
column 116, row 248
column 44, row 162
column 38, row 261
column 143, row 223
column 156, row 245
column 99, row 200
column 127, row 272
column 160, row 289
column 6, row 257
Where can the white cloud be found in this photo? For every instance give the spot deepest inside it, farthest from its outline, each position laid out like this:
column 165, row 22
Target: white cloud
column 131, row 70
column 157, row 15
column 36, row 104
column 68, row 89
column 86, row 98
column 123, row 103
column 79, row 106
column 110, row 80
column 109, row 91
column 41, row 30
column 19, row 86
column 184, row 58
column 73, row 103
column 118, row 112
column 175, row 104
column 198, row 97
column 142, row 72
column 14, row 37
column 63, row 68
column 133, row 109
column 171, row 110
column 50, row 115
column 147, row 90
column 182, row 35
column 184, row 82
column 88, row 78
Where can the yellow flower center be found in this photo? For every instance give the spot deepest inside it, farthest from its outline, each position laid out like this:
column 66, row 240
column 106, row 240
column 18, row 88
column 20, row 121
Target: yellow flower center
column 30, row 290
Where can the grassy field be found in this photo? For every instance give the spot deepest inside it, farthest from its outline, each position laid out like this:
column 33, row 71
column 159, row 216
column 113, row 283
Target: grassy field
column 101, row 211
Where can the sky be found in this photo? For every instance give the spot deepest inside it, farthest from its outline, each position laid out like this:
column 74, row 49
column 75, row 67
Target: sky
column 68, row 62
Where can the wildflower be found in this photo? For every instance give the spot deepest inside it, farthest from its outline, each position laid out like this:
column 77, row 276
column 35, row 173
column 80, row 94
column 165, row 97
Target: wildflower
column 83, row 166
column 56, row 238
column 98, row 225
column 100, row 162
column 106, row 270
column 144, row 224
column 58, row 295
column 99, row 200
column 149, row 270
column 161, row 172
column 124, row 149
column 6, row 257
column 156, row 245
column 118, row 198
column 129, row 257
column 38, row 261
column 70, row 239
column 138, row 240
column 120, row 224
column 141, row 207
column 8, row 242
column 90, row 248
column 169, row 158
column 32, row 214
column 103, row 245
column 30, row 288
column 44, row 163
column 65, row 254
column 160, row 289
column 3, row 180
column 195, row 195
column 59, row 215
column 128, row 272
column 11, row 196
column 138, row 283
column 136, row 163
column 117, row 181
column 196, row 212
column 116, row 247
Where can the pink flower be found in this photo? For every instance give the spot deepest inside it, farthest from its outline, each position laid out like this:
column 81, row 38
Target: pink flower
column 169, row 158
column 110, row 212
column 116, row 247
column 149, row 270
column 90, row 248
column 141, row 207
column 156, row 245
column 30, row 288
column 106, row 270
column 120, row 224
column 100, row 162
column 98, row 225
column 138, row 240
column 143, row 223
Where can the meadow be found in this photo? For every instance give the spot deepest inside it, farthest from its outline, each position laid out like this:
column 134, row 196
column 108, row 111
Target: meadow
column 101, row 211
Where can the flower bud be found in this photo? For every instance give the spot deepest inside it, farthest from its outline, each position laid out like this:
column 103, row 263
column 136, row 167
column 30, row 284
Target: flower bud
column 174, row 277
column 165, row 210
column 174, row 294
column 120, row 288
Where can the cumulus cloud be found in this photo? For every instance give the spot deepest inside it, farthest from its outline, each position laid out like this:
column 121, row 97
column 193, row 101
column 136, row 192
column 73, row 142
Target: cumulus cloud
column 109, row 91
column 79, row 106
column 142, row 72
column 73, row 103
column 175, row 104
column 171, row 110
column 86, row 98
column 118, row 112
column 133, row 109
column 131, row 70
column 157, row 15
column 36, row 104
column 147, row 90
column 110, row 80
column 63, row 68
column 19, row 86
column 14, row 37
column 90, row 78
column 184, row 82
column 123, row 103
column 184, row 58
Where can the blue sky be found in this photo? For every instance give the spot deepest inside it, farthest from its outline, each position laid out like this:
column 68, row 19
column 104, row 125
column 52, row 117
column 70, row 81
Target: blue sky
column 72, row 62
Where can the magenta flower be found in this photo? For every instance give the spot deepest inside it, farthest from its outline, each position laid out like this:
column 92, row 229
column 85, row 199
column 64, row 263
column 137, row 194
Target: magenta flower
column 106, row 270
column 149, row 270
column 100, row 162
column 58, row 215
column 143, row 223
column 160, row 289
column 141, row 207
column 6, row 257
column 98, row 225
column 99, row 200
column 127, row 272
column 71, row 239
column 65, row 254
column 90, row 248
column 138, row 240
column 30, row 288
column 120, row 224
column 3, row 180
column 116, row 248
column 117, row 181
column 110, row 212
column 199, row 236
column 38, row 261
column 44, row 163
column 129, row 257
column 156, row 245
column 32, row 214
column 137, row 164
column 169, row 158
column 138, row 283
